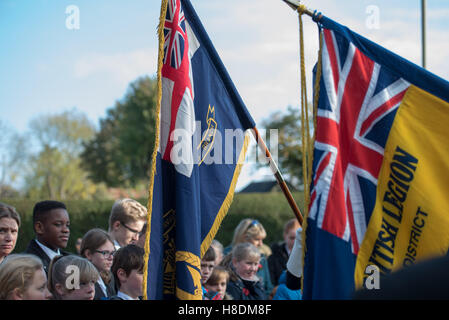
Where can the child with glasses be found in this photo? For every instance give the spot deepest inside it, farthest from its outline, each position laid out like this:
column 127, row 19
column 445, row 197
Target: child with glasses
column 126, row 222
column 98, row 248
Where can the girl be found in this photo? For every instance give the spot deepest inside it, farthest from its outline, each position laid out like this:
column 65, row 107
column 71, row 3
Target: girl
column 252, row 231
column 244, row 284
column 80, row 285
column 22, row 277
column 218, row 282
column 98, row 247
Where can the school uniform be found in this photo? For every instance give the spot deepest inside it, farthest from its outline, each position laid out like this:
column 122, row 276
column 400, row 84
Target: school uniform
column 104, row 291
column 241, row 289
column 44, row 253
column 122, row 296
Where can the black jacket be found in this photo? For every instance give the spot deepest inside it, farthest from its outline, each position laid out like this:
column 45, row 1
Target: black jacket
column 426, row 280
column 245, row 290
column 110, row 289
column 277, row 261
column 34, row 248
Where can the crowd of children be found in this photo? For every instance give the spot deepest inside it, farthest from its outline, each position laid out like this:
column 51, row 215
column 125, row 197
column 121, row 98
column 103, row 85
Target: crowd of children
column 110, row 264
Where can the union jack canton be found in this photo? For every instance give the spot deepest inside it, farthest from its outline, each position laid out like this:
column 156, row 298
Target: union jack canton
column 357, row 105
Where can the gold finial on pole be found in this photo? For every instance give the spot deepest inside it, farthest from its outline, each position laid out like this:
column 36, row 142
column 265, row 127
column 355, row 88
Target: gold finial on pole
column 301, row 8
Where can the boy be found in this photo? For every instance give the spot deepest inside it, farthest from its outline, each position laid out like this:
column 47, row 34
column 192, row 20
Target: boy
column 127, row 269
column 126, row 221
column 207, row 266
column 51, row 225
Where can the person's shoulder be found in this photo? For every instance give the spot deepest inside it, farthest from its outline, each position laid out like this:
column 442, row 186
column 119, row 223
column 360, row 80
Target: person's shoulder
column 276, row 246
column 32, row 247
column 66, row 253
column 115, row 298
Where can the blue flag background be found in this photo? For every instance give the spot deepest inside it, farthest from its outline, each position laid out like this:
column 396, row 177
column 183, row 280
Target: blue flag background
column 185, row 211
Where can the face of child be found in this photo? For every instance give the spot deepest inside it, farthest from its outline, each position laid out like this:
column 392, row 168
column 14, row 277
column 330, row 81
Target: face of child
column 132, row 284
column 247, row 268
column 219, row 287
column 55, row 230
column 86, row 291
column 289, row 238
column 102, row 258
column 37, row 290
column 128, row 233
column 206, row 270
column 8, row 236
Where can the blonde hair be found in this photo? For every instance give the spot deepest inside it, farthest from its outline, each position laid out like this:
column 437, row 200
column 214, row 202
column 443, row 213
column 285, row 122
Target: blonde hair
column 219, row 272
column 17, row 271
column 248, row 229
column 57, row 272
column 245, row 250
column 126, row 211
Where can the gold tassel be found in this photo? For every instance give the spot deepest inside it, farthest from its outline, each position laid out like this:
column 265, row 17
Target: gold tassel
column 160, row 32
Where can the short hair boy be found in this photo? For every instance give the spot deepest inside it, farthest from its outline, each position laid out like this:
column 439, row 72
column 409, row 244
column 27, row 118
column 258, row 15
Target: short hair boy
column 51, row 224
column 207, row 264
column 127, row 269
column 126, row 221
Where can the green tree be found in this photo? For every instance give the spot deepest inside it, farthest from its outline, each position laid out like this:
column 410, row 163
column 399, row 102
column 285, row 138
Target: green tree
column 13, row 154
column 120, row 153
column 54, row 171
column 289, row 143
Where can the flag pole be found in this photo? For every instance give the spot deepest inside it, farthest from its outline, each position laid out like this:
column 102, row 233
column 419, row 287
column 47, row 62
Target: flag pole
column 423, row 32
column 278, row 175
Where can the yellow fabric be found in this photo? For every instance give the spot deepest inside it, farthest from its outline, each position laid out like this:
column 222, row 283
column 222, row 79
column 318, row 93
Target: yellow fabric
column 410, row 221
column 156, row 144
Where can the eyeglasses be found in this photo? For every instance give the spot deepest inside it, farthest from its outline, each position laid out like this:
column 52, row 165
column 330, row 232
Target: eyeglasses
column 105, row 253
column 130, row 229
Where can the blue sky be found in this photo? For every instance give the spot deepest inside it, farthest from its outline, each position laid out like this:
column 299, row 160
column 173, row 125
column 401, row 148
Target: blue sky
column 47, row 68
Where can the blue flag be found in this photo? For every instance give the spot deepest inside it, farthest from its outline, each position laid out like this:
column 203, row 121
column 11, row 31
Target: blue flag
column 378, row 198
column 200, row 148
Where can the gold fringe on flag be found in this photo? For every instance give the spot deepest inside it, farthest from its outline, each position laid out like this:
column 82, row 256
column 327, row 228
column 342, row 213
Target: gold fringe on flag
column 308, row 142
column 160, row 32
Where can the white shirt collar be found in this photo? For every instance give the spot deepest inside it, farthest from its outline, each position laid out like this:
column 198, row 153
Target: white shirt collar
column 49, row 252
column 116, row 245
column 102, row 286
column 124, row 296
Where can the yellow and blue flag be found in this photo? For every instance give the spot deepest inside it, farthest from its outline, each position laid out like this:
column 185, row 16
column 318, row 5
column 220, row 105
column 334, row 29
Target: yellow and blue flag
column 200, row 148
column 380, row 166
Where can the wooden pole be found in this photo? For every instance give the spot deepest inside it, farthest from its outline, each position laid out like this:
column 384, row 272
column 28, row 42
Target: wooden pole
column 278, row 175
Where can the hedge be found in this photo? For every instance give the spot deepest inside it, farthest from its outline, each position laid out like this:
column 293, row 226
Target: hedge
column 271, row 209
